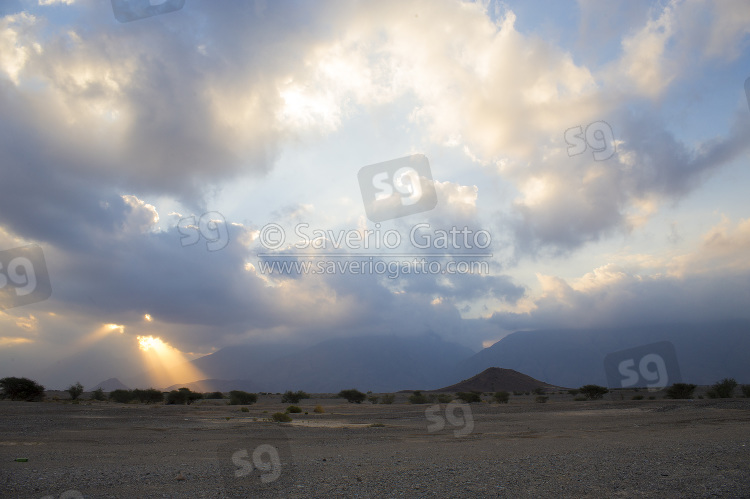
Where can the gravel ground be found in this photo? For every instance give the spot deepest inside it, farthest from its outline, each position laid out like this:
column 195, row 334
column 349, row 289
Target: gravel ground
column 602, row 448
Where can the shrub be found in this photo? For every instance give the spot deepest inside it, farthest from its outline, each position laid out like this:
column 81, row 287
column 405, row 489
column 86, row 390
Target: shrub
column 516, row 393
column 121, row 396
column 244, row 409
column 293, row 409
column 238, row 397
column 469, row 397
column 353, row 395
column 76, row 390
column 722, row 389
column 538, row 390
column 98, row 394
column 319, row 409
column 444, row 398
column 21, row 389
column 637, row 397
column 388, row 398
column 373, row 399
column 680, row 391
column 593, row 392
column 745, row 390
column 579, row 398
column 281, row 417
column 573, row 392
column 183, row 396
column 541, row 398
column 291, row 397
column 417, row 397
column 501, row 397
column 213, row 395
column 149, row 396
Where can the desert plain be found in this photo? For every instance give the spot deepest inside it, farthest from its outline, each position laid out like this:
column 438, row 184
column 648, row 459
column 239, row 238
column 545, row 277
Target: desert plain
column 562, row 448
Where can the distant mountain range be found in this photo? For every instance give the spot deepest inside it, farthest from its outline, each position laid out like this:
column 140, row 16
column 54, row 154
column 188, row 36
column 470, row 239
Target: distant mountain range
column 567, row 357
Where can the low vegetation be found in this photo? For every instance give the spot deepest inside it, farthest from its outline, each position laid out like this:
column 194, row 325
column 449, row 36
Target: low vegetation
column 75, row 390
column 444, row 398
column 148, row 396
column 21, row 389
column 238, row 397
column 501, row 397
column 388, row 398
column 353, row 395
column 469, row 397
column 213, row 395
column 281, row 417
column 593, row 392
column 680, row 391
column 183, row 396
column 417, row 397
column 99, row 395
column 722, row 389
column 291, row 397
column 293, row 409
column 319, row 409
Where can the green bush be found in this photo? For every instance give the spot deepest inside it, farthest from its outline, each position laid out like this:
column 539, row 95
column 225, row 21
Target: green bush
column 722, row 389
column 501, row 397
column 121, row 396
column 238, row 397
column 98, row 394
column 538, row 390
column 417, row 397
column 745, row 390
column 75, row 390
column 244, row 409
column 637, row 397
column 148, row 396
column 373, row 399
column 541, row 398
column 593, row 392
column 293, row 409
column 388, row 398
column 353, row 395
column 183, row 396
column 579, row 398
column 680, row 391
column 469, row 397
column 444, row 398
column 281, row 417
column 291, row 397
column 213, row 395
column 21, row 389
column 573, row 392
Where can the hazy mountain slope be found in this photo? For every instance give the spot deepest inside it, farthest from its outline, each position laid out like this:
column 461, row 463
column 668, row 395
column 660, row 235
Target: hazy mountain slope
column 377, row 363
column 706, row 352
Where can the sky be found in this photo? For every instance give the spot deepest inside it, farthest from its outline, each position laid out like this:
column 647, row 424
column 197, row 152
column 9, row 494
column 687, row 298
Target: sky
column 540, row 165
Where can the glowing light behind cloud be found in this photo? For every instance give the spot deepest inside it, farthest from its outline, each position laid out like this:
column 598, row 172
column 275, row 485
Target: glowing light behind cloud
column 165, row 364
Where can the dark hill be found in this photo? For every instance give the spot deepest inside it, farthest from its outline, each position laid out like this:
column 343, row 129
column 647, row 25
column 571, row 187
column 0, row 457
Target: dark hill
column 494, row 379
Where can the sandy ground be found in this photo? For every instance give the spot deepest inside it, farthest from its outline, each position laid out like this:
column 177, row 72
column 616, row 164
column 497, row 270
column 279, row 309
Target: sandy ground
column 648, row 448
